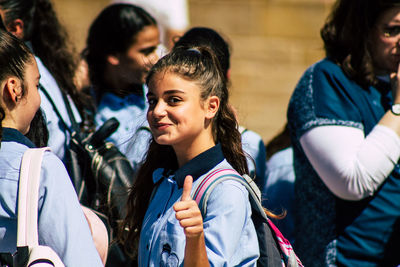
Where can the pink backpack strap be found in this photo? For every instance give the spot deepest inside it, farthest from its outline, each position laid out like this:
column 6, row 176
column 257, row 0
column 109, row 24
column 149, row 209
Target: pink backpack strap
column 204, row 188
column 202, row 191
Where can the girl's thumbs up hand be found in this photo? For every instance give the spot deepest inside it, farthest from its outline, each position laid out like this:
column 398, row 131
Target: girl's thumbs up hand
column 187, row 211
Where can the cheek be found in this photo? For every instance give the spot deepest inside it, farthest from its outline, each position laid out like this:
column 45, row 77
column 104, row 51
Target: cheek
column 149, row 116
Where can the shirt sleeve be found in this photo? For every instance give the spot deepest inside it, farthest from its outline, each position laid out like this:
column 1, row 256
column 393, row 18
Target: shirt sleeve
column 230, row 236
column 62, row 225
column 351, row 165
column 253, row 144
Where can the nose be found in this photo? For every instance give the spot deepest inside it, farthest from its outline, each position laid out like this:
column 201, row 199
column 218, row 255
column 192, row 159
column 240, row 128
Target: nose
column 153, row 57
column 159, row 110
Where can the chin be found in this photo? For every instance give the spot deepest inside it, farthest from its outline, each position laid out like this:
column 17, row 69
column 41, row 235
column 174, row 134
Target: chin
column 162, row 141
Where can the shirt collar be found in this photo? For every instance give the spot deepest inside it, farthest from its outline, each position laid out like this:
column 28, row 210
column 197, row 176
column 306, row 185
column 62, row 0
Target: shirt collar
column 13, row 135
column 199, row 165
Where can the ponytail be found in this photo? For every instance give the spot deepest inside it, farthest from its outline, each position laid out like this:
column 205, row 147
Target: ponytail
column 197, row 64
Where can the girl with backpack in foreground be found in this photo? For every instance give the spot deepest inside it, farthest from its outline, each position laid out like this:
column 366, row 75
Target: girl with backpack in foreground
column 194, row 132
column 61, row 222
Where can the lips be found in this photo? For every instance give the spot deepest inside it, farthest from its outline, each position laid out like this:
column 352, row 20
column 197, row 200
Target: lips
column 161, row 126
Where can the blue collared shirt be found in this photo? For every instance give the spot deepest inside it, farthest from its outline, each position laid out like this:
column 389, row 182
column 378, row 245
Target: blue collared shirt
column 62, row 225
column 131, row 138
column 58, row 135
column 253, row 145
column 229, row 232
column 278, row 191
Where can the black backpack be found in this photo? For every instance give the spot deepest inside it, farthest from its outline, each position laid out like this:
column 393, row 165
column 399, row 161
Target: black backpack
column 101, row 175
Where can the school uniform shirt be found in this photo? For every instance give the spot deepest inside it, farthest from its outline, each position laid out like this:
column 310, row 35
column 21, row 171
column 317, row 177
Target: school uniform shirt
column 229, row 232
column 278, row 191
column 133, row 135
column 62, row 225
column 253, row 145
column 59, row 136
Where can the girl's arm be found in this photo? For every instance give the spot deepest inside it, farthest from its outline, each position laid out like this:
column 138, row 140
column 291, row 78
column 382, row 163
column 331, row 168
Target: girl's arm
column 189, row 216
column 352, row 165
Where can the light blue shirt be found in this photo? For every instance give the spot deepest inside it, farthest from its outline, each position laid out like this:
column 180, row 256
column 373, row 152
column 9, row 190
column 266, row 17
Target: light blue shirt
column 58, row 135
column 229, row 232
column 253, row 145
column 278, row 193
column 62, row 225
column 130, row 111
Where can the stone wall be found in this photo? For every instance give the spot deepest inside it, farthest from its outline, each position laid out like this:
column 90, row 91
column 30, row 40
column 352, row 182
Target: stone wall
column 273, row 42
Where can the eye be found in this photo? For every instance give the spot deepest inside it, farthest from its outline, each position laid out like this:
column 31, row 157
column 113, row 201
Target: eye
column 148, row 51
column 391, row 31
column 151, row 101
column 174, row 100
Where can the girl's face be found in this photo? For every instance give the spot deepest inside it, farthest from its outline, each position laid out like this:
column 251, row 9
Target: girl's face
column 140, row 56
column 177, row 116
column 30, row 102
column 386, row 41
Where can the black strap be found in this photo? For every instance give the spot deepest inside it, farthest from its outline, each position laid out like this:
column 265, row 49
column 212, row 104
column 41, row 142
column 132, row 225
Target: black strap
column 74, row 124
column 6, row 259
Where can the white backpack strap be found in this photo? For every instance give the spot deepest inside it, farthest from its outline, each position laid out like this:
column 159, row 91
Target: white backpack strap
column 28, row 197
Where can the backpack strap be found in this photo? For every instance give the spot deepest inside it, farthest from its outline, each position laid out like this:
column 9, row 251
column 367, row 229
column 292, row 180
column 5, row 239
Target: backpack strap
column 28, row 195
column 203, row 190
column 29, row 252
column 74, row 125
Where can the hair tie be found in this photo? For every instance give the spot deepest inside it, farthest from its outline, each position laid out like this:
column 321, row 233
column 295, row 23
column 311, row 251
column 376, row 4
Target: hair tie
column 194, row 50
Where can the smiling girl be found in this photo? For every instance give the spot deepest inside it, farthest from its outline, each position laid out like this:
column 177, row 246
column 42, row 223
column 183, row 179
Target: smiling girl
column 194, row 132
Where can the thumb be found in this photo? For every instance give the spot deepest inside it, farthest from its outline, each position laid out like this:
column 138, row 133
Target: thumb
column 187, row 188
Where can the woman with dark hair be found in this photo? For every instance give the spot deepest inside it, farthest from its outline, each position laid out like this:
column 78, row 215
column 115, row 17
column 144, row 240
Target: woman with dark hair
column 121, row 47
column 61, row 222
column 194, row 133
column 36, row 23
column 344, row 119
column 252, row 142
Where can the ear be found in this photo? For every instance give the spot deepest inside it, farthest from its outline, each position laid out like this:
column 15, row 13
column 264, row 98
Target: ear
column 113, row 60
column 212, row 106
column 16, row 27
column 228, row 74
column 12, row 90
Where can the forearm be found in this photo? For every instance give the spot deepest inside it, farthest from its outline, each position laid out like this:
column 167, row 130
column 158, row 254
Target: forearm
column 195, row 252
column 391, row 121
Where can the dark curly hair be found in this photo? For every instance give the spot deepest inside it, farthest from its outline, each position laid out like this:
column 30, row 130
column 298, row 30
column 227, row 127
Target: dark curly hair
column 346, row 35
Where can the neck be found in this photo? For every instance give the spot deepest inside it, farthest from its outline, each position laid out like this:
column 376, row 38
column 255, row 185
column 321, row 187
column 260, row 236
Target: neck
column 186, row 152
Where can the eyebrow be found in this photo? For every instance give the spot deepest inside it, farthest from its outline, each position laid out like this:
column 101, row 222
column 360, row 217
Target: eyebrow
column 169, row 92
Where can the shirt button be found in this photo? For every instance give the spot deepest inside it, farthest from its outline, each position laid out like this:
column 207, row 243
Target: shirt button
column 147, row 246
column 158, row 215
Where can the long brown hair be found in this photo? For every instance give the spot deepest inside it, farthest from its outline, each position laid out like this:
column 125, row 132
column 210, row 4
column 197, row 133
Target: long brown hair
column 201, row 66
column 346, row 36
column 49, row 41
